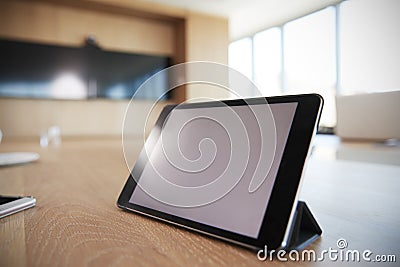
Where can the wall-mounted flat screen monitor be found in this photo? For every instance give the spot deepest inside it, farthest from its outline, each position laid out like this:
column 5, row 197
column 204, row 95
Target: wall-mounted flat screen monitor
column 32, row 70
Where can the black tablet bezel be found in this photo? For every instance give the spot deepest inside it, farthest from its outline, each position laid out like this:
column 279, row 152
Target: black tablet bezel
column 284, row 194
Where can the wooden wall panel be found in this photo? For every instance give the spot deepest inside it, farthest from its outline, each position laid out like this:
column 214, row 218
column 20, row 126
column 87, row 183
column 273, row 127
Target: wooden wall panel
column 30, row 117
column 207, row 39
column 66, row 25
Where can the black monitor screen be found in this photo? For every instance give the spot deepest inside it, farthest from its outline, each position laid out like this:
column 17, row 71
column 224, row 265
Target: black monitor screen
column 32, row 70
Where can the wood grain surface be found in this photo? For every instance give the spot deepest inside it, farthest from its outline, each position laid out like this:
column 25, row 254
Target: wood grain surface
column 76, row 221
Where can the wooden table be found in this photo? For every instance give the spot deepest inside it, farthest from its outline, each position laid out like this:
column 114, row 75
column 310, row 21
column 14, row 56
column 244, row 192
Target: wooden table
column 76, row 221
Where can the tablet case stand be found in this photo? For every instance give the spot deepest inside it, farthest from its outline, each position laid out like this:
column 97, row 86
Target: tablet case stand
column 304, row 229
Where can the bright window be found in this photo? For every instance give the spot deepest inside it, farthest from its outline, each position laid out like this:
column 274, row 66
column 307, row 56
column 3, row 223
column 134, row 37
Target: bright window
column 268, row 61
column 349, row 48
column 310, row 59
column 241, row 59
column 369, row 45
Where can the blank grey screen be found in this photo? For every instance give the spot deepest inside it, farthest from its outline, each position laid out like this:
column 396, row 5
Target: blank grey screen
column 239, row 211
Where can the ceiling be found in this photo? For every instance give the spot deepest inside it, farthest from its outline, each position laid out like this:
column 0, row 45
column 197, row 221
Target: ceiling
column 250, row 16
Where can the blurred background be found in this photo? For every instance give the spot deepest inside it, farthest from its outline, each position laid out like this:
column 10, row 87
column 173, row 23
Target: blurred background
column 75, row 64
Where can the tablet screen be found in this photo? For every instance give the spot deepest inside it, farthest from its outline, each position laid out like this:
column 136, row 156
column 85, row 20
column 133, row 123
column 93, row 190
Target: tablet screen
column 239, row 211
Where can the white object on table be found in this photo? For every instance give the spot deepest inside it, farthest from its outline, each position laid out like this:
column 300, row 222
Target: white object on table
column 17, row 158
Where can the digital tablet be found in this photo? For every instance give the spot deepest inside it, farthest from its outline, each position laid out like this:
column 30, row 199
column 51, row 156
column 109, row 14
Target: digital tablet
column 230, row 169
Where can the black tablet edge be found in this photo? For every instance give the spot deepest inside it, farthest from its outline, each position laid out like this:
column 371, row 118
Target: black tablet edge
column 270, row 222
column 318, row 105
